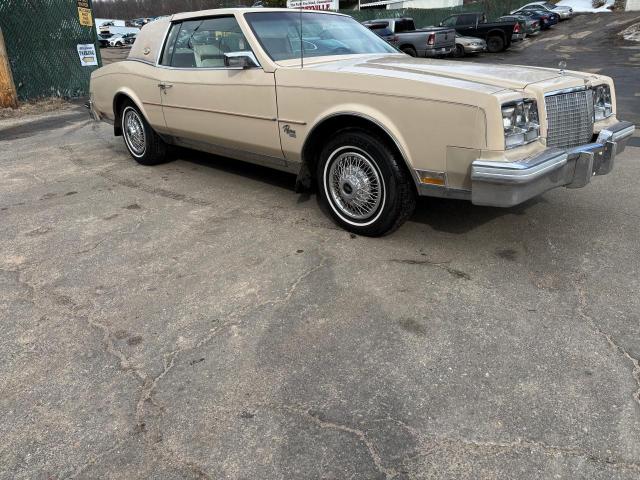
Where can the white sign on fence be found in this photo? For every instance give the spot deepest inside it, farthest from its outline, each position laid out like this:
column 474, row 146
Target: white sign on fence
column 87, row 54
column 313, row 4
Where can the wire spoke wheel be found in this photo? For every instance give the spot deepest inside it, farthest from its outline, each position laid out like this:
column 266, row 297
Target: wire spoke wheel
column 354, row 184
column 134, row 133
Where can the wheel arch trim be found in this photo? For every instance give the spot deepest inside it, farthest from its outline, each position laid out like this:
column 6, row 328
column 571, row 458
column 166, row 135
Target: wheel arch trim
column 395, row 138
column 128, row 93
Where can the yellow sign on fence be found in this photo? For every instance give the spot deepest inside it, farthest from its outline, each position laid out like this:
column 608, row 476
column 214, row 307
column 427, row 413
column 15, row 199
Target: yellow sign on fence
column 85, row 16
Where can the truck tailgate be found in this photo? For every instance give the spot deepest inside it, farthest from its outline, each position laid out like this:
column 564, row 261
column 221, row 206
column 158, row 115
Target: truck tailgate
column 445, row 38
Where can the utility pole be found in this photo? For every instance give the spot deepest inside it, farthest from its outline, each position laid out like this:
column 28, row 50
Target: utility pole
column 8, row 94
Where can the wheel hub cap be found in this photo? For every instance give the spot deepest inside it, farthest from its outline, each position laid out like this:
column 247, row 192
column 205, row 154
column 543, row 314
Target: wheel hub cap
column 354, row 184
column 134, row 132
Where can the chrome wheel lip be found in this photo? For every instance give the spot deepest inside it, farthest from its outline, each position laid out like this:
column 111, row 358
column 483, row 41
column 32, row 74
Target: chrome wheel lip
column 133, row 132
column 337, row 197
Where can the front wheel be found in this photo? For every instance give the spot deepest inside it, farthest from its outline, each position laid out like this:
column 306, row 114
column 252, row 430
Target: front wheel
column 364, row 184
column 459, row 51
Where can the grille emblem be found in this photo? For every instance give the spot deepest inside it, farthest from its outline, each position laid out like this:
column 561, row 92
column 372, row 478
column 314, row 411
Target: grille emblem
column 562, row 65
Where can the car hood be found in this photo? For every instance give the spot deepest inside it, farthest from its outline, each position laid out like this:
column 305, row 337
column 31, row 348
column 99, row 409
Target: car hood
column 499, row 77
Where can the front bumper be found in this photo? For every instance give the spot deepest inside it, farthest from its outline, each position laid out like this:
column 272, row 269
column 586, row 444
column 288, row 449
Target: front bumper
column 505, row 184
column 474, row 48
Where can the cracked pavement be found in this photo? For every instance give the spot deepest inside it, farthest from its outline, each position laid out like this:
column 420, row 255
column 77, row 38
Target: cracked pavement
column 199, row 319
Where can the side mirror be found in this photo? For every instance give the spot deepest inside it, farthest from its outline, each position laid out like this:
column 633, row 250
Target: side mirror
column 240, row 60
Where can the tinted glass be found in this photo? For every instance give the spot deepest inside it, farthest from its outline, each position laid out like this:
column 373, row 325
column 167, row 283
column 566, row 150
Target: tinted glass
column 322, row 35
column 449, row 22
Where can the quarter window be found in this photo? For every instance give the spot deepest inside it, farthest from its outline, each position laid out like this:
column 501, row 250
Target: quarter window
column 202, row 43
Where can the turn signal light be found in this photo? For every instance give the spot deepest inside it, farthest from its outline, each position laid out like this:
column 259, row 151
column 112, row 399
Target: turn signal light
column 432, row 39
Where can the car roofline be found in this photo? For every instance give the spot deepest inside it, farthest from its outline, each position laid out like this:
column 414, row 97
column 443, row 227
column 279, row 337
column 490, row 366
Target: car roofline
column 232, row 11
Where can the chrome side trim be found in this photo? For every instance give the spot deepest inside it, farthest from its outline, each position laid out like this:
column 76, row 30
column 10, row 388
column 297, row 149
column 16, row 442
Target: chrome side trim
column 237, row 154
column 295, row 122
column 140, row 60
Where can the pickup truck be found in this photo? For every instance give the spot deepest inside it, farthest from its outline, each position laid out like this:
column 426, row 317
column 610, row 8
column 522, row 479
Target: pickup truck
column 424, row 42
column 498, row 35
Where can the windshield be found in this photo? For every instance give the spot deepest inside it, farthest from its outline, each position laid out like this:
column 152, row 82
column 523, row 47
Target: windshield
column 322, row 35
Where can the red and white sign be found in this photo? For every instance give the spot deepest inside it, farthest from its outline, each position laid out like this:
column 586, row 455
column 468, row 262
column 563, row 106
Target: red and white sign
column 313, row 4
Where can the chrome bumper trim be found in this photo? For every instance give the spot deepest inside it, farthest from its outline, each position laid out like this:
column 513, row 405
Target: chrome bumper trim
column 505, row 184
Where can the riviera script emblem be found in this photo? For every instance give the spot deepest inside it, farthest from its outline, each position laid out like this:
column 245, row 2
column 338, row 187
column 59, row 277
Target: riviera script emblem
column 289, row 131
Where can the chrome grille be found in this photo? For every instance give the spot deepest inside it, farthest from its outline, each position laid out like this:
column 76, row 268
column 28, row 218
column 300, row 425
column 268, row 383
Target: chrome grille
column 570, row 118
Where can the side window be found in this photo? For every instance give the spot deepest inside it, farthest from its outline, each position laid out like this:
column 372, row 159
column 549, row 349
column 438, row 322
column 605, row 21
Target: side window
column 449, row 22
column 464, row 20
column 203, row 43
column 167, row 51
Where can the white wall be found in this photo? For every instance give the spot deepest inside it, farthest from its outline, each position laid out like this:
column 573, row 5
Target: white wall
column 429, row 4
column 633, row 5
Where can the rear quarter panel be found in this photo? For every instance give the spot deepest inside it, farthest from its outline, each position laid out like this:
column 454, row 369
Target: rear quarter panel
column 137, row 80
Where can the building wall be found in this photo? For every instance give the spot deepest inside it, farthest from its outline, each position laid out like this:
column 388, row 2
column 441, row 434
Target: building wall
column 633, row 5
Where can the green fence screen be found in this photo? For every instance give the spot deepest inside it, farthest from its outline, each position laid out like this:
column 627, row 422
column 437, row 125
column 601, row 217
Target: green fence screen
column 41, row 37
column 433, row 16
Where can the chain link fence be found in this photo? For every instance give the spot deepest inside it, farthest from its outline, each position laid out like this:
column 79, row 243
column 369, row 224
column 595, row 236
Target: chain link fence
column 433, row 16
column 42, row 38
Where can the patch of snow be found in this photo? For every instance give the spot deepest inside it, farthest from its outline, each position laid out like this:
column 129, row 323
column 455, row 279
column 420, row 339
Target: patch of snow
column 585, row 6
column 632, row 33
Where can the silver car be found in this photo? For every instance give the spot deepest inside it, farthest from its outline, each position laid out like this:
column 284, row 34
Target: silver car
column 563, row 11
column 469, row 46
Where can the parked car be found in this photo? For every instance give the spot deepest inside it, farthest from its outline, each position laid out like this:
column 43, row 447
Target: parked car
column 103, row 40
column 528, row 25
column 547, row 19
column 469, row 46
column 122, row 40
column 562, row 11
column 497, row 34
column 371, row 127
column 424, row 42
column 382, row 30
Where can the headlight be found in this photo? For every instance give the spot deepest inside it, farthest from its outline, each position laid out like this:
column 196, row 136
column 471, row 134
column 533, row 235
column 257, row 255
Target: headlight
column 520, row 122
column 601, row 102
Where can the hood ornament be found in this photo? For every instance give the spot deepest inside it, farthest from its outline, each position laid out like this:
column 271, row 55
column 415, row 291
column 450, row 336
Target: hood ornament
column 562, row 65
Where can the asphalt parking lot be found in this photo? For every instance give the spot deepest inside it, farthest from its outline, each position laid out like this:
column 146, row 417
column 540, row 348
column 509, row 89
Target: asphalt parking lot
column 200, row 319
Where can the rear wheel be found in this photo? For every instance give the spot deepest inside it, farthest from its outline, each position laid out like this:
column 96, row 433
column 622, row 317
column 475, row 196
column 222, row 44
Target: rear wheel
column 495, row 44
column 143, row 143
column 409, row 51
column 364, row 184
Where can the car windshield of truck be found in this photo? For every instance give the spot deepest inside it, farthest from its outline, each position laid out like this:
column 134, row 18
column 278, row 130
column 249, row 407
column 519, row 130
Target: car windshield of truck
column 322, row 35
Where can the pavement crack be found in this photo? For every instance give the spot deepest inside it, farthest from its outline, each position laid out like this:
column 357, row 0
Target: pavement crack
column 359, row 434
column 581, row 309
column 169, row 359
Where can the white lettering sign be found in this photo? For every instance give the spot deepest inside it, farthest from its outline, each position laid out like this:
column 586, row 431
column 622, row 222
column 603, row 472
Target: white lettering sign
column 87, row 54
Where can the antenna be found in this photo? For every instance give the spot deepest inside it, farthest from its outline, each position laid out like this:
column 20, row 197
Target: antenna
column 301, row 44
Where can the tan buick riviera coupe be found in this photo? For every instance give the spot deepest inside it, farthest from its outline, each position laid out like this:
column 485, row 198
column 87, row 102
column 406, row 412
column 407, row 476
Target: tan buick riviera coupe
column 319, row 95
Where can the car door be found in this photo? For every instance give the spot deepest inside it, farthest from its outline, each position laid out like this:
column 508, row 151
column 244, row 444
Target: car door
column 465, row 23
column 207, row 104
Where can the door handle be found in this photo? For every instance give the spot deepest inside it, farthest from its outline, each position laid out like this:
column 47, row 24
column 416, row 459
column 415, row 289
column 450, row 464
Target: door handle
column 165, row 86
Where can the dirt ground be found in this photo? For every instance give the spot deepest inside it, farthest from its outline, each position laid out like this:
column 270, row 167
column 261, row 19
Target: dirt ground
column 200, row 319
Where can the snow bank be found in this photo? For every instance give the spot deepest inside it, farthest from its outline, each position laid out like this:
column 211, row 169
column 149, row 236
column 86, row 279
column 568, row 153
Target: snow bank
column 584, row 6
